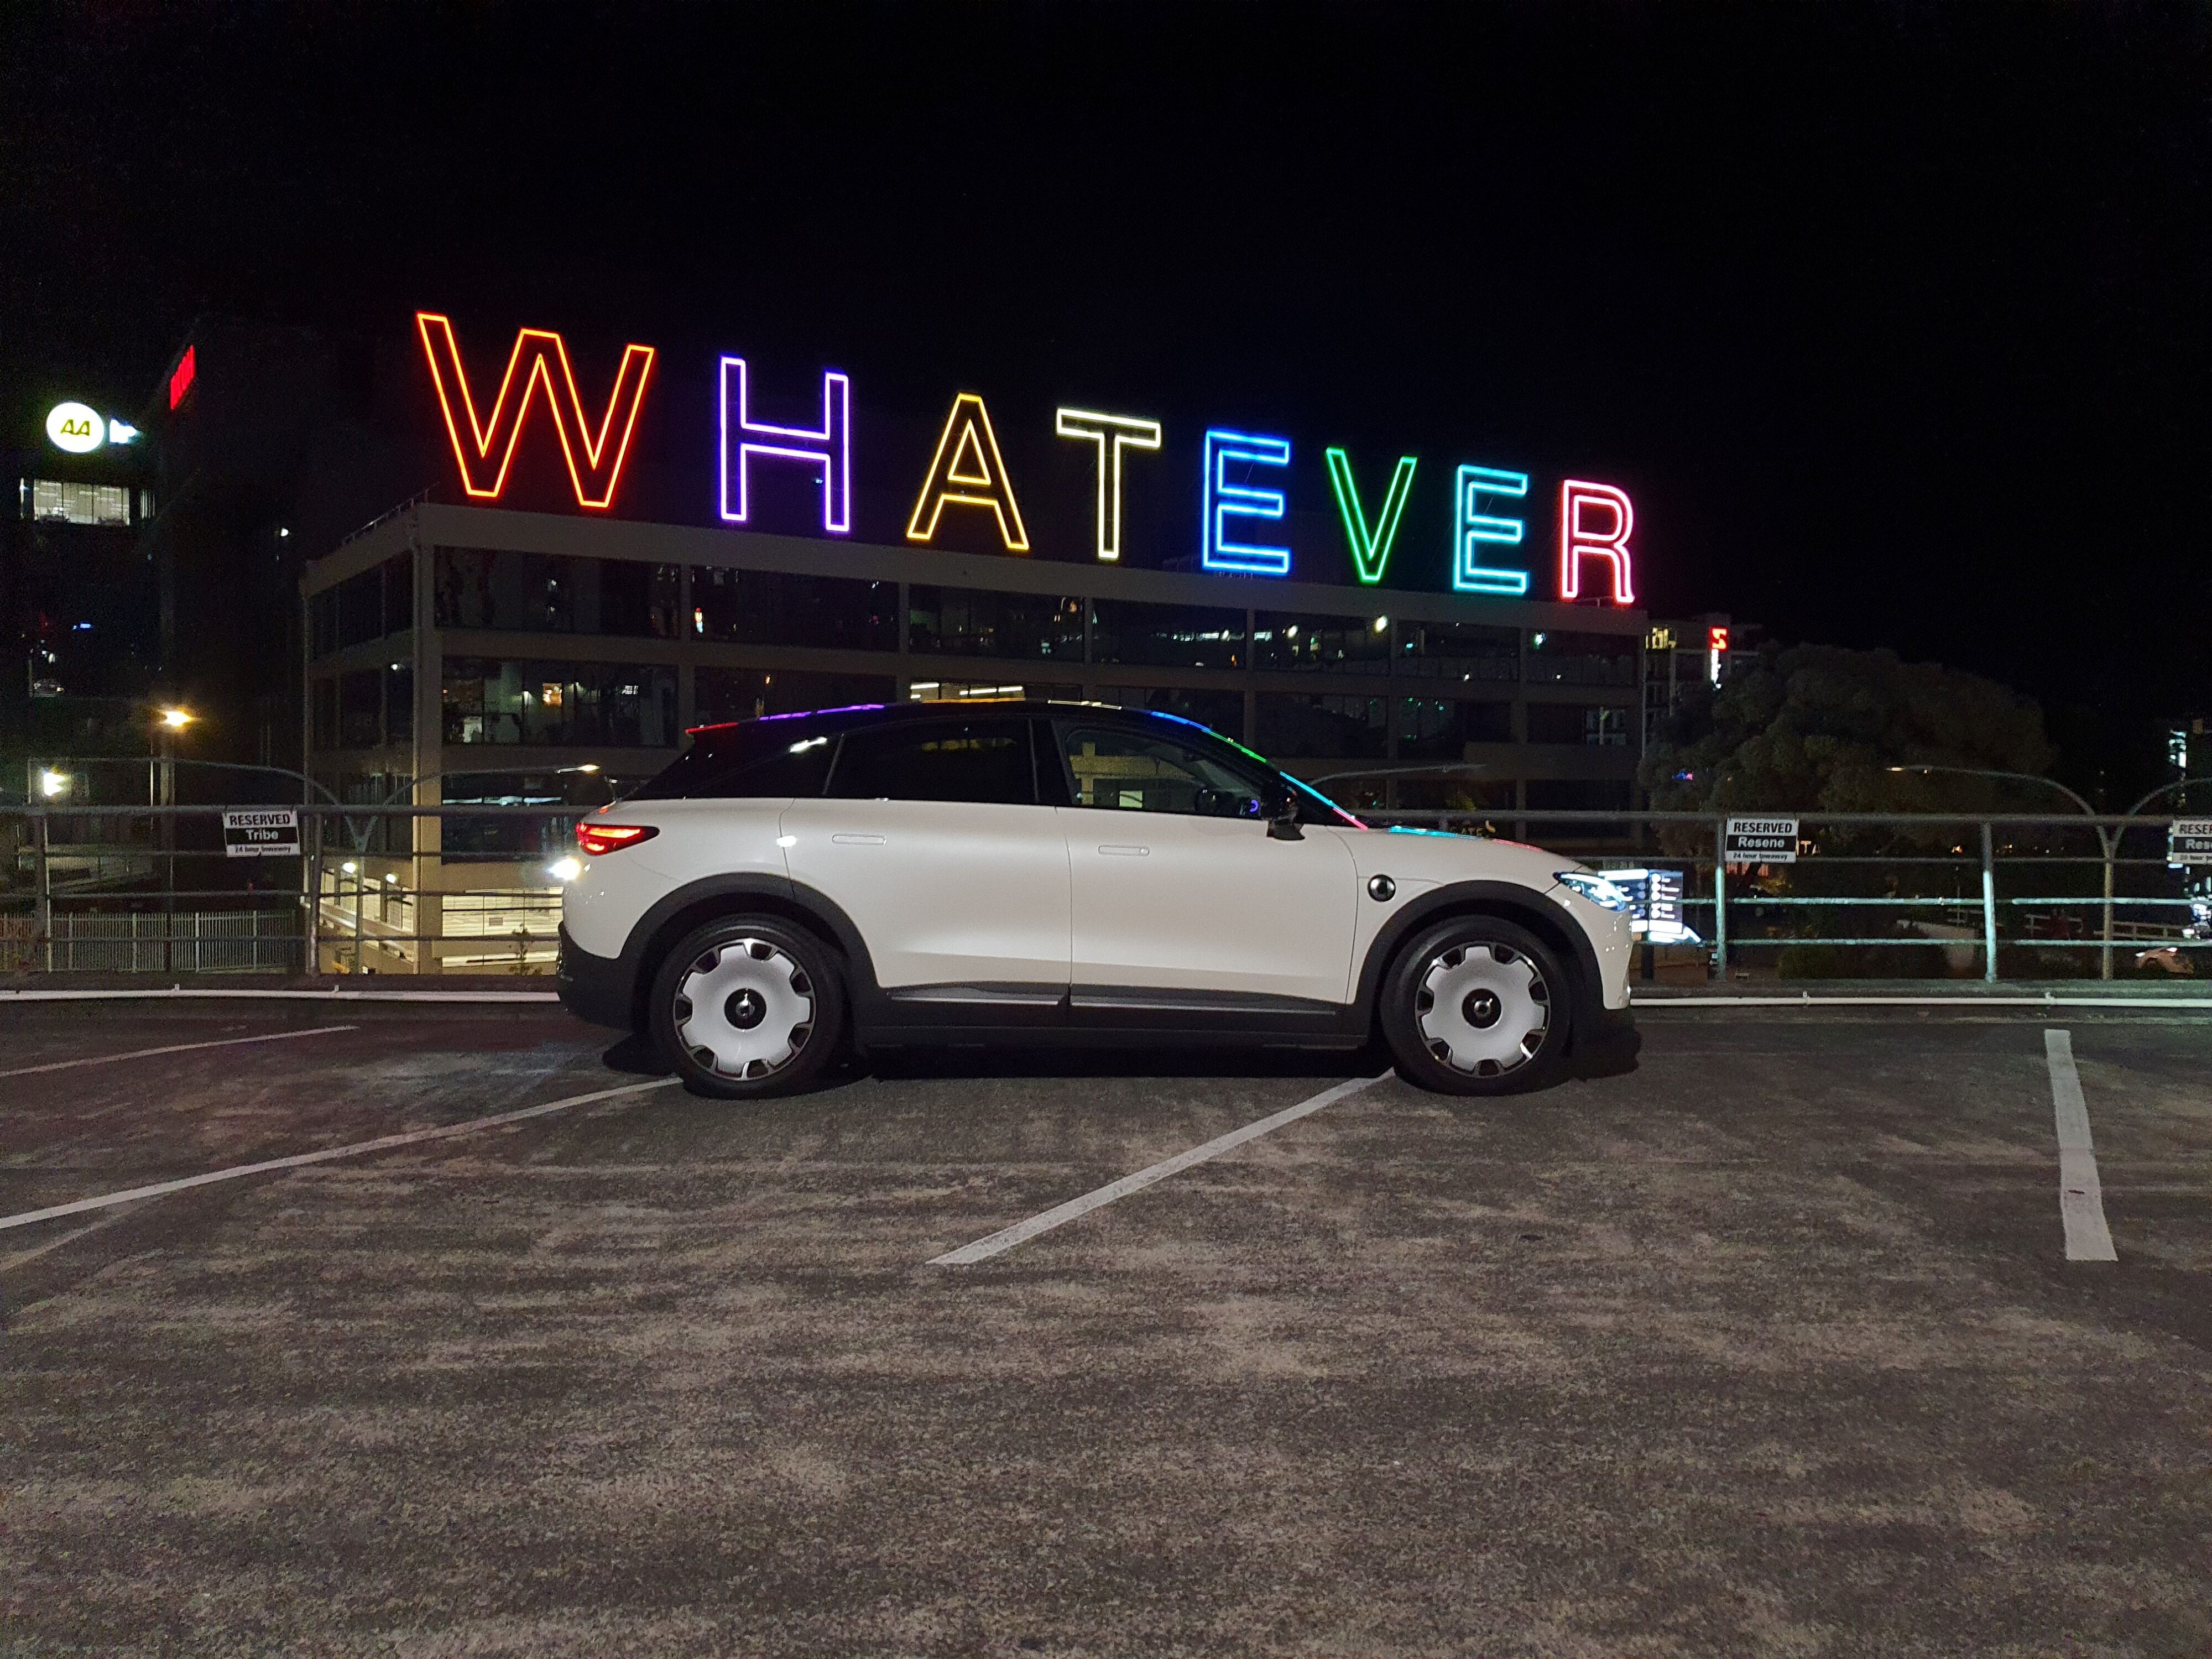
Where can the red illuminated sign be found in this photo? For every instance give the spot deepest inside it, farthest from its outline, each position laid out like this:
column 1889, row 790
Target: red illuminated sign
column 1716, row 639
column 181, row 376
column 485, row 449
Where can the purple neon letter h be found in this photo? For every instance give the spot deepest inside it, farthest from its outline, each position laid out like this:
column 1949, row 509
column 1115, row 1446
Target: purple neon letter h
column 830, row 449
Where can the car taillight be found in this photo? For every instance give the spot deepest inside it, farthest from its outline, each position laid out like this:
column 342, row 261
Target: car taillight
column 599, row 839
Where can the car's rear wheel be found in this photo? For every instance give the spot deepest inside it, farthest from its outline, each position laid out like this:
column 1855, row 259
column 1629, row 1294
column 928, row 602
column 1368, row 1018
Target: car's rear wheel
column 1477, row 1005
column 748, row 1006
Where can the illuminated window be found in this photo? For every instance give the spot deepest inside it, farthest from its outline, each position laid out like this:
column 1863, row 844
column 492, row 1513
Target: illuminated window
column 1166, row 636
column 55, row 502
column 966, row 622
column 1325, row 645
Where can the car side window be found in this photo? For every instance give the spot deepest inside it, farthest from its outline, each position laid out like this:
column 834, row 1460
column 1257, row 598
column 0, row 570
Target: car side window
column 1133, row 771
column 985, row 761
column 795, row 769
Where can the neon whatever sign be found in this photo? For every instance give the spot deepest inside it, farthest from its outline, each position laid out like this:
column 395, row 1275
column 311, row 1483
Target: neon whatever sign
column 1243, row 478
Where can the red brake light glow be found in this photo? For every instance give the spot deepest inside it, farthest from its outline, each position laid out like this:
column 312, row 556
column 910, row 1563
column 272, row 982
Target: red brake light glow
column 597, row 839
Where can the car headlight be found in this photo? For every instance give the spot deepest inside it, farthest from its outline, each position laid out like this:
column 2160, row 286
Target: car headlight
column 1596, row 889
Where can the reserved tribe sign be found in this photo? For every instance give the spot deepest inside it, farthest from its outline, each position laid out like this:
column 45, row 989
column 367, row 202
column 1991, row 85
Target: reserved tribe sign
column 1239, row 498
column 270, row 833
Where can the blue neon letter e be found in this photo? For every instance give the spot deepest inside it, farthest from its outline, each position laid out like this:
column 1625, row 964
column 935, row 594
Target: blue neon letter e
column 1472, row 529
column 1221, row 501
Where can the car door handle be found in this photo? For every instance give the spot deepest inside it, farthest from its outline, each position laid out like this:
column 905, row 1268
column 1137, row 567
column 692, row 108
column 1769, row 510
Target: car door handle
column 1127, row 852
column 860, row 841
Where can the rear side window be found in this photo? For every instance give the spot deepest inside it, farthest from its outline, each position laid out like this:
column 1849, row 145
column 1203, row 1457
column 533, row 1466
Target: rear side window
column 985, row 761
column 797, row 769
column 752, row 761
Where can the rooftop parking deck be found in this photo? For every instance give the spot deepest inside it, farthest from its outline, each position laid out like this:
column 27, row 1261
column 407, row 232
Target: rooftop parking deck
column 1769, row 1344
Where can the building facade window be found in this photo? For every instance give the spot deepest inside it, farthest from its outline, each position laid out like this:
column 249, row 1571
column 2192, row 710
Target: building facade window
column 1322, row 728
column 1166, row 636
column 1466, row 652
column 1284, row 642
column 960, row 622
column 1431, row 728
column 367, row 605
column 1564, row 659
column 548, row 593
column 768, row 607
column 57, row 502
column 1599, row 725
column 745, row 694
column 1222, row 711
column 495, row 701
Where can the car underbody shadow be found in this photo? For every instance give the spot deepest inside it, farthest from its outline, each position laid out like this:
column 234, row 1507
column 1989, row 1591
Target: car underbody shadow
column 637, row 1055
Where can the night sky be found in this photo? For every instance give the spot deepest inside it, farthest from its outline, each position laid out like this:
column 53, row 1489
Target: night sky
column 1892, row 317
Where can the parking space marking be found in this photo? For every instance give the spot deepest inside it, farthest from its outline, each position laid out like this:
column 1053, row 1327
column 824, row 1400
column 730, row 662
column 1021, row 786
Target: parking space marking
column 173, row 1049
column 1007, row 1237
column 385, row 1143
column 2080, row 1196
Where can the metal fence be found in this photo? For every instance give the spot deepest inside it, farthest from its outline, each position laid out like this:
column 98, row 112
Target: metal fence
column 381, row 889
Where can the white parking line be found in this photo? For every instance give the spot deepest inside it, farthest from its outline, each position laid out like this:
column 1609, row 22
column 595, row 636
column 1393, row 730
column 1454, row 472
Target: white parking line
column 173, row 1049
column 1007, row 1237
column 2080, row 1196
column 411, row 1138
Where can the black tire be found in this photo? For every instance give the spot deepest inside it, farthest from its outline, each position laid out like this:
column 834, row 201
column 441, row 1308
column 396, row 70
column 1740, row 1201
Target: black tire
column 1477, row 1005
column 746, row 1007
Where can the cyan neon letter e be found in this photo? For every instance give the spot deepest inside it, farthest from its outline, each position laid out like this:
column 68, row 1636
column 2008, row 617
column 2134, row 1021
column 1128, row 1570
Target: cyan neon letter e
column 1471, row 529
column 1220, row 500
column 828, row 450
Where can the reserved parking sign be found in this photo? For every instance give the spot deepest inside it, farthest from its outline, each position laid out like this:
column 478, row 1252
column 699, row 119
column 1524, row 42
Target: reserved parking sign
column 2188, row 841
column 1760, row 841
column 270, row 833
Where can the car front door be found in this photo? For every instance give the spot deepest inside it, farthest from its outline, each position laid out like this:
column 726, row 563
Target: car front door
column 928, row 835
column 1179, row 888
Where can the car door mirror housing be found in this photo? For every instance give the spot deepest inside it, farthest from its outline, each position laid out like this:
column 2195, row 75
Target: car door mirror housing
column 1282, row 805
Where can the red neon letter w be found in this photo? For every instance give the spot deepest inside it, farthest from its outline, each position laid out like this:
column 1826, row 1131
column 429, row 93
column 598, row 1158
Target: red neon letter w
column 485, row 449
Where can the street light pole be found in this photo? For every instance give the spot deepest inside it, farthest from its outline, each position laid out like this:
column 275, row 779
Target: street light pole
column 2108, row 839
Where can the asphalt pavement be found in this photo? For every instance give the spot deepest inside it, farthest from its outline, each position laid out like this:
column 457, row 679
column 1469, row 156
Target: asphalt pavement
column 1767, row 1345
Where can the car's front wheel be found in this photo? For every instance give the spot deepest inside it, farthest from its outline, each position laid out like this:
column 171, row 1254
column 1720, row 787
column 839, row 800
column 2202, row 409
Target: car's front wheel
column 1476, row 1005
column 747, row 1006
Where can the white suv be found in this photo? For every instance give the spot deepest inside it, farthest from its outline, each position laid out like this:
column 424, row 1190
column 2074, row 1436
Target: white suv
column 1064, row 873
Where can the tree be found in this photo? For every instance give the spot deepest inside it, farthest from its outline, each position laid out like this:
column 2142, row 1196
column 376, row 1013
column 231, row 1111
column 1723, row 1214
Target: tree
column 1816, row 728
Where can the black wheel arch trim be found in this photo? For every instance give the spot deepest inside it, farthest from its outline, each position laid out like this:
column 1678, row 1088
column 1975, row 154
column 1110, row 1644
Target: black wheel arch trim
column 1509, row 902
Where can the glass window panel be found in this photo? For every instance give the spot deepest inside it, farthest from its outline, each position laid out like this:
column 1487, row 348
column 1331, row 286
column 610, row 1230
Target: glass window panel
column 1130, row 771
column 1166, row 636
column 744, row 693
column 1570, row 658
column 1593, row 724
column 1467, row 652
column 1322, row 728
column 1432, row 728
column 1221, row 711
column 1284, row 642
column 767, row 607
column 509, row 701
column 972, row 622
column 80, row 503
column 979, row 760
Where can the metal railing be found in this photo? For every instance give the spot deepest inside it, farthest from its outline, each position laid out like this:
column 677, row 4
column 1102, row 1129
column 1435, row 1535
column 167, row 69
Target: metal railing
column 151, row 889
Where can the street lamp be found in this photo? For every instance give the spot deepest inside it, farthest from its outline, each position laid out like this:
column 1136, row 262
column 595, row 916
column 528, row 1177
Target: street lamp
column 2107, row 839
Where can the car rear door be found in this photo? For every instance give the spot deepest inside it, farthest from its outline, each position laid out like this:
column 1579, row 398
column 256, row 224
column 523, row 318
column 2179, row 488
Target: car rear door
column 1183, row 901
column 929, row 837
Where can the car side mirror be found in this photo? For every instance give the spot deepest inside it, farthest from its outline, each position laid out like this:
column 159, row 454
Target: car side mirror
column 1282, row 804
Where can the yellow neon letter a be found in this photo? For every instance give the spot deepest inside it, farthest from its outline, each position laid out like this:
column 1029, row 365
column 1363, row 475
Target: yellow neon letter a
column 967, row 471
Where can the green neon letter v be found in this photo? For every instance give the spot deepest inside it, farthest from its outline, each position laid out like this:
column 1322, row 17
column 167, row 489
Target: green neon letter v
column 1371, row 548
